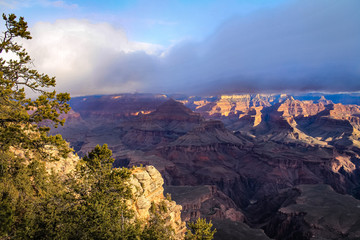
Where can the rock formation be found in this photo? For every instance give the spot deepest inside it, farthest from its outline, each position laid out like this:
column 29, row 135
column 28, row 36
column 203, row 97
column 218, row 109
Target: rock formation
column 169, row 121
column 146, row 184
column 113, row 107
column 204, row 201
column 61, row 165
column 317, row 213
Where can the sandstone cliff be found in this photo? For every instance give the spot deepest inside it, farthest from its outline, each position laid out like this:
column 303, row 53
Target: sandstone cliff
column 147, row 186
column 61, row 165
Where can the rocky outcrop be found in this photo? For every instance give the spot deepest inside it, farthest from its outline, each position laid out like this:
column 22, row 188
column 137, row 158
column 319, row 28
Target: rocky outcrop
column 294, row 108
column 110, row 108
column 324, row 101
column 317, row 213
column 234, row 105
column 210, row 133
column 170, row 121
column 204, row 201
column 172, row 110
column 64, row 165
column 146, row 184
column 247, row 168
column 59, row 164
column 229, row 230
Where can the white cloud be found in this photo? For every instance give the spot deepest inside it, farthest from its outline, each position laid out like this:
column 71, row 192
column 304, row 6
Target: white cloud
column 82, row 54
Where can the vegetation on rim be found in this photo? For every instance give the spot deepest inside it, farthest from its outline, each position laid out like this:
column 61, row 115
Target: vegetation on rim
column 91, row 203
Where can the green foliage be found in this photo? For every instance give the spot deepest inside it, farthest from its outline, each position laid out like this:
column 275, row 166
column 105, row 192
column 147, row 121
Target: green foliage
column 200, row 230
column 25, row 190
column 168, row 197
column 19, row 116
column 92, row 202
column 101, row 210
column 157, row 227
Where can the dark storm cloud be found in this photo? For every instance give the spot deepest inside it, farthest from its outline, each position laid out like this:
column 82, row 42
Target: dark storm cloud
column 304, row 45
column 308, row 45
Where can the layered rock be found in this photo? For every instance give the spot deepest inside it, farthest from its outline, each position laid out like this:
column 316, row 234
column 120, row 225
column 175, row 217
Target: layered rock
column 229, row 230
column 233, row 105
column 147, row 187
column 204, row 201
column 172, row 110
column 110, row 108
column 62, row 165
column 282, row 155
column 317, row 213
column 210, row 133
column 170, row 120
column 294, row 108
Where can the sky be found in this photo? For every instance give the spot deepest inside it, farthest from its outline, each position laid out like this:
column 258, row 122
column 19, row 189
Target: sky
column 202, row 47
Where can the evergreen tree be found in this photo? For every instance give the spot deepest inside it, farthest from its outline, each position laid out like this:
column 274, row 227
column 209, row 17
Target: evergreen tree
column 28, row 197
column 101, row 194
column 20, row 115
column 157, row 227
column 200, row 230
column 26, row 189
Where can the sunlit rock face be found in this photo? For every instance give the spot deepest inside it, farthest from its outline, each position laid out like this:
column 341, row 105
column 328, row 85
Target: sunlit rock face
column 294, row 108
column 146, row 185
column 64, row 165
column 233, row 105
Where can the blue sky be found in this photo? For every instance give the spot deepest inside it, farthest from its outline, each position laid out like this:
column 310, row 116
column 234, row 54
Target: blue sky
column 194, row 46
column 156, row 21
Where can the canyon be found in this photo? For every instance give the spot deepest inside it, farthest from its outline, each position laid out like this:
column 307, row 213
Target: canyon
column 259, row 166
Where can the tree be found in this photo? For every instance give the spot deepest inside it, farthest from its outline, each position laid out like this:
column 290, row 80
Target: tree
column 100, row 209
column 19, row 115
column 25, row 186
column 28, row 198
column 200, row 230
column 157, row 227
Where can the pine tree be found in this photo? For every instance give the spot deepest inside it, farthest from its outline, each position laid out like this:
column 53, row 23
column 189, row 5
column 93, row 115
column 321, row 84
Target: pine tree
column 157, row 227
column 25, row 185
column 100, row 208
column 19, row 115
column 200, row 230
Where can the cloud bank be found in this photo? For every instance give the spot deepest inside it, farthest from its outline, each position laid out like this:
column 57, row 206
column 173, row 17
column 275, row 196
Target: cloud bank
column 302, row 46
